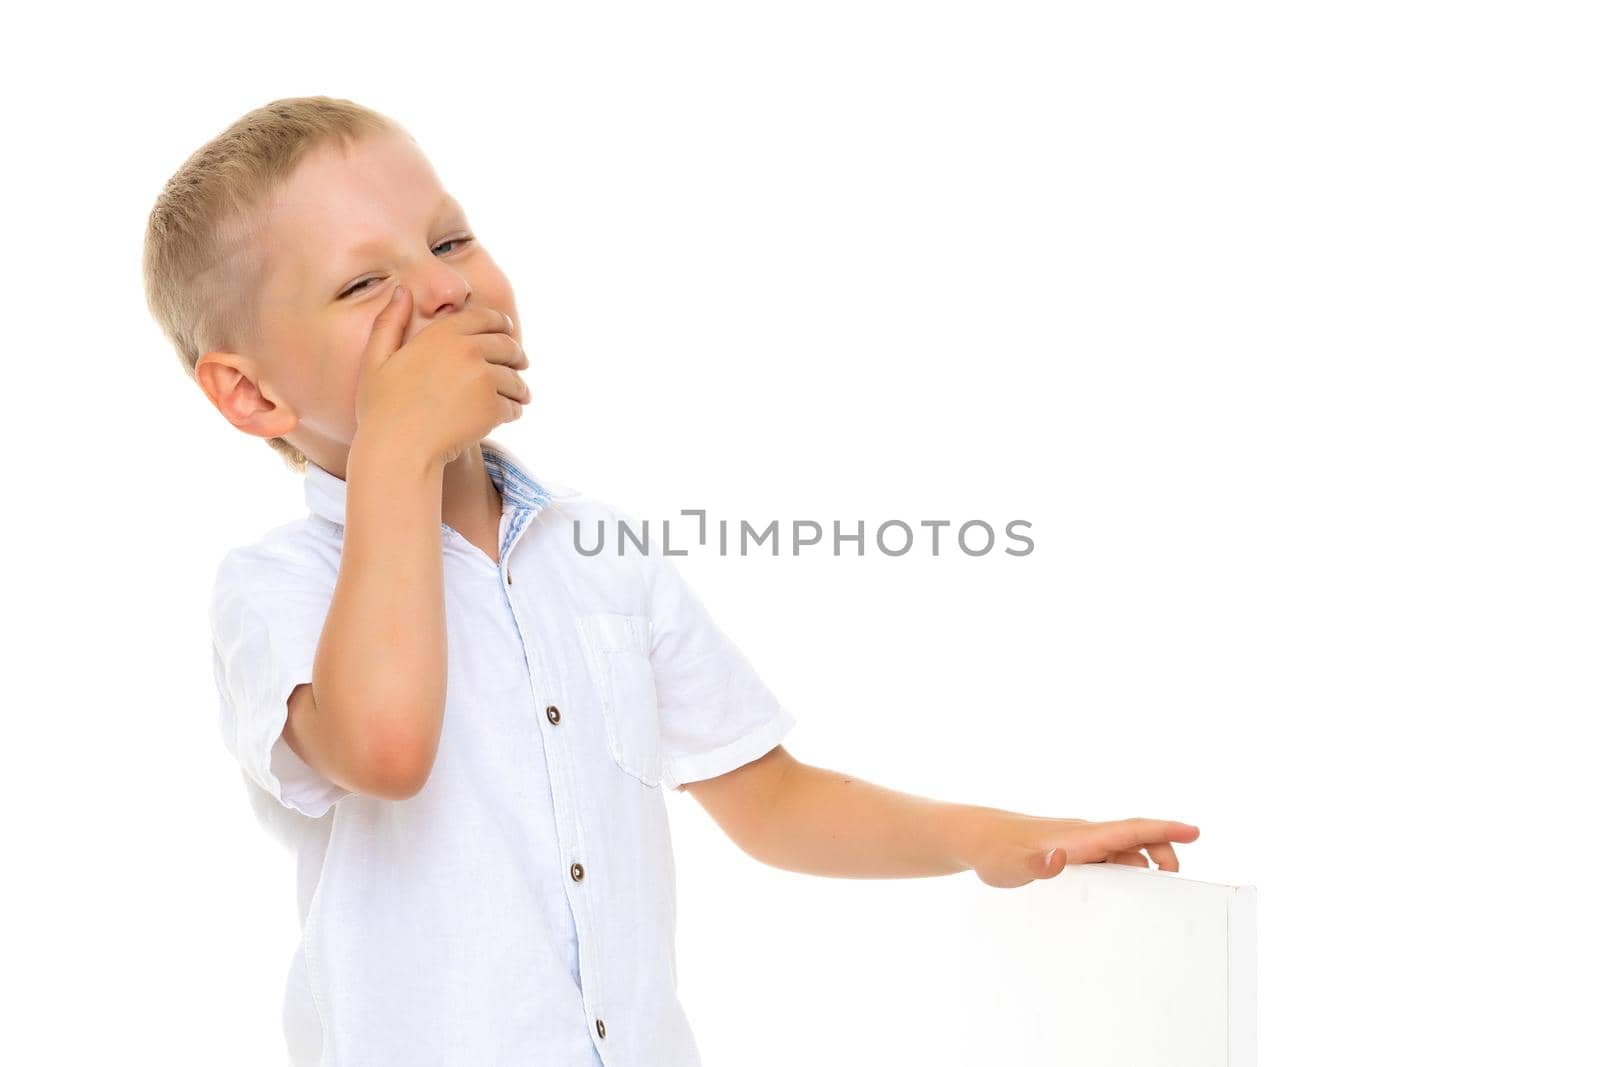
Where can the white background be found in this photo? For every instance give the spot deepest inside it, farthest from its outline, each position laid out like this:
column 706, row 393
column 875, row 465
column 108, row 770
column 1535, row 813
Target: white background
column 1277, row 324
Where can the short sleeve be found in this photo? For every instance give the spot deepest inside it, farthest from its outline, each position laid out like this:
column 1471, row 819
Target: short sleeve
column 715, row 712
column 267, row 610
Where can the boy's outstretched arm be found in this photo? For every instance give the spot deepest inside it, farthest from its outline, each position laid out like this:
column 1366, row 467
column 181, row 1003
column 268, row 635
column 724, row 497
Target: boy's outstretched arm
column 808, row 819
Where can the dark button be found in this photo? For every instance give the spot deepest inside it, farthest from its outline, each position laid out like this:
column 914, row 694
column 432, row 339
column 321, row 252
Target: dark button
column 508, row 575
column 577, row 873
column 600, row 1027
column 553, row 713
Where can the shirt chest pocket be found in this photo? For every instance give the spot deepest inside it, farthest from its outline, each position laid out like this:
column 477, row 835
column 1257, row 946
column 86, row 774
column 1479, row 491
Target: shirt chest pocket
column 618, row 650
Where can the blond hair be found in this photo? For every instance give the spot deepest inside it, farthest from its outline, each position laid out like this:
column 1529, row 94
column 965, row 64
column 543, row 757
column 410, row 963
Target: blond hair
column 203, row 257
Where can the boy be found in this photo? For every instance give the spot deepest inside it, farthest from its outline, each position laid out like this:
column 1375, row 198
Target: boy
column 462, row 726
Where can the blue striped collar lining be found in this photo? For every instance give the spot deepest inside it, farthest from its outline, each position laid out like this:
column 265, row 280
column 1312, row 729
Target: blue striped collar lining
column 517, row 487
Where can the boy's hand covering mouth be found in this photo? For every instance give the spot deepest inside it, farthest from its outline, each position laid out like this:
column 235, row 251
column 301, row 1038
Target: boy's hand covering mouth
column 446, row 388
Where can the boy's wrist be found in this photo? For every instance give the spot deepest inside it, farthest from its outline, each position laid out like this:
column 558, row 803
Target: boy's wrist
column 379, row 448
column 965, row 831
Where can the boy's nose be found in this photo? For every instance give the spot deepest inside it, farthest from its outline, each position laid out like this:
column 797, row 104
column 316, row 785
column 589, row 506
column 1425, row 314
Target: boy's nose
column 440, row 291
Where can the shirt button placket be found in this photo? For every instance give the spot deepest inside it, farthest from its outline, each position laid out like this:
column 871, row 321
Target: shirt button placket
column 553, row 714
column 576, row 870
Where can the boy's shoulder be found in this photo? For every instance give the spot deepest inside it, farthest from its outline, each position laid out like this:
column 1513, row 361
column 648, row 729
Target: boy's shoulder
column 307, row 549
column 578, row 506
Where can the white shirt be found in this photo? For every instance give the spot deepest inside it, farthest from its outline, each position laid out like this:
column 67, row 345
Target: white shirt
column 520, row 908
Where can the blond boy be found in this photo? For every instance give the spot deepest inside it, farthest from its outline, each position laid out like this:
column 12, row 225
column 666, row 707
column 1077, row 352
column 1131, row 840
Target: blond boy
column 462, row 726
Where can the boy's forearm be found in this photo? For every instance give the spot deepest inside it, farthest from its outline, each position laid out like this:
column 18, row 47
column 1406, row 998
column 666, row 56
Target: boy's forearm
column 827, row 823
column 379, row 679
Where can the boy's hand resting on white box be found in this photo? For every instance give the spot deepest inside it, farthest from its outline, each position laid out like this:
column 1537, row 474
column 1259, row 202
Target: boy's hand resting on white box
column 798, row 817
column 1008, row 849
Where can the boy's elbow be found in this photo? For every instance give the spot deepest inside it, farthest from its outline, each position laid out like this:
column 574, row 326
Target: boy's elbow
column 398, row 768
column 396, row 786
column 389, row 756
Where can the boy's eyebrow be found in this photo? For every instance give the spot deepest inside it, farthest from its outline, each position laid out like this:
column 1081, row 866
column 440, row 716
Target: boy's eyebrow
column 372, row 244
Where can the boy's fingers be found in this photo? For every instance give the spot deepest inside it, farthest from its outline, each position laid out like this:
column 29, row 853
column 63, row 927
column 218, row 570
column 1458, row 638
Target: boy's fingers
column 503, row 348
column 1149, row 831
column 1130, row 834
column 389, row 328
column 480, row 318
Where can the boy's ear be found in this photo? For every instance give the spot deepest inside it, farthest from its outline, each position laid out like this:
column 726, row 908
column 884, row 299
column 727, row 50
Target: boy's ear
column 229, row 381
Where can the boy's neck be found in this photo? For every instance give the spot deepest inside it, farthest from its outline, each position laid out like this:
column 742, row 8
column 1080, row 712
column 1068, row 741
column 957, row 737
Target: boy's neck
column 471, row 504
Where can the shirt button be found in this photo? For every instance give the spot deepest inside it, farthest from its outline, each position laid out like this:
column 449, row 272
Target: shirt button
column 577, row 876
column 508, row 575
column 553, row 713
column 600, row 1027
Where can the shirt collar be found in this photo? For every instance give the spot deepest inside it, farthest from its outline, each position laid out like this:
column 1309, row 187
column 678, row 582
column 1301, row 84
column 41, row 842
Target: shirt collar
column 325, row 492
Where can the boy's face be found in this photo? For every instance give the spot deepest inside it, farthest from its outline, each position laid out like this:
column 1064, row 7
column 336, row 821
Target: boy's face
column 340, row 233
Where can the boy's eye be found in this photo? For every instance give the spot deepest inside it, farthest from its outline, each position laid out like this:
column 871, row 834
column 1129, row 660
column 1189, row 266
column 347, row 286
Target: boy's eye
column 362, row 284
